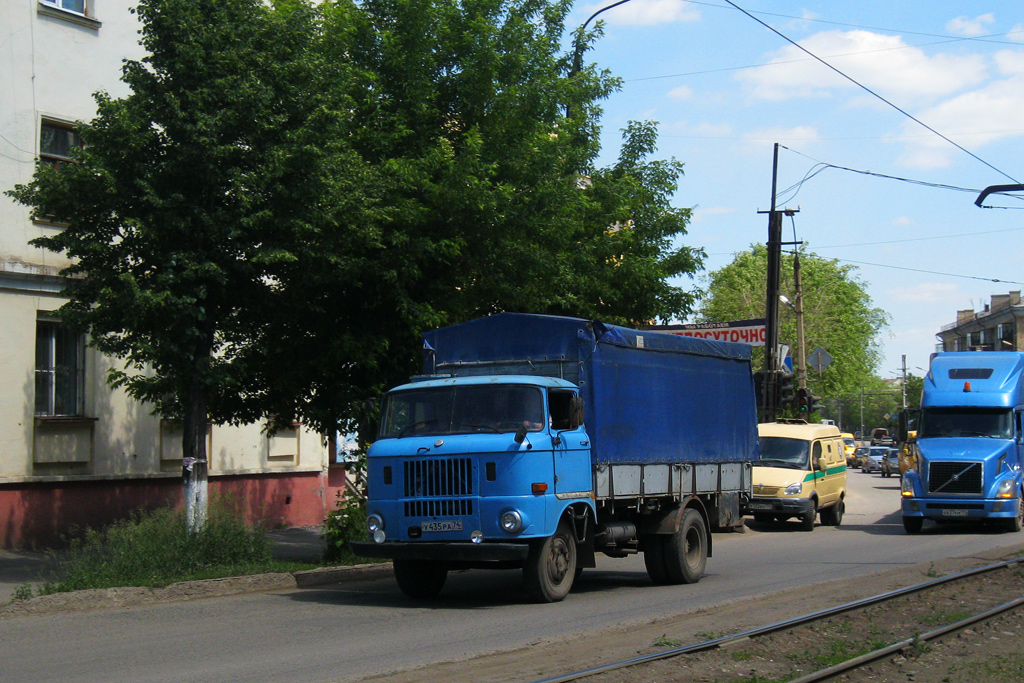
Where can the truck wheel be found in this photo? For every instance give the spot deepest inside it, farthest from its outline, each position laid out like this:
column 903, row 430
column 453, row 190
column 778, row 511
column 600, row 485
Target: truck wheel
column 912, row 525
column 807, row 519
column 833, row 516
column 420, row 579
column 654, row 559
column 1017, row 523
column 551, row 566
column 686, row 551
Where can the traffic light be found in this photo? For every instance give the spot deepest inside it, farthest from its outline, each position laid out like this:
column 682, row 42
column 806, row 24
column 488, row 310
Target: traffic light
column 814, row 403
column 786, row 389
column 803, row 405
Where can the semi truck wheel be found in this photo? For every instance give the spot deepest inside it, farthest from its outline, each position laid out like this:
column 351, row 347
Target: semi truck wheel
column 912, row 525
column 1017, row 523
column 420, row 579
column 551, row 566
column 686, row 551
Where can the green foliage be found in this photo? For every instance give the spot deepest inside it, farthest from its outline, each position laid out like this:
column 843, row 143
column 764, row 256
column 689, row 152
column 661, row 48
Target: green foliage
column 346, row 522
column 838, row 314
column 664, row 641
column 156, row 548
column 22, row 592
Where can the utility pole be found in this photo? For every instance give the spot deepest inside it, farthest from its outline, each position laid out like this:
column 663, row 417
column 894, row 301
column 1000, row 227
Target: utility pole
column 771, row 341
column 904, row 382
column 798, row 307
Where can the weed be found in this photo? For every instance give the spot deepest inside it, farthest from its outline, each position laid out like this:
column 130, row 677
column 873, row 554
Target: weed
column 917, row 647
column 22, row 592
column 345, row 523
column 942, row 618
column 665, row 641
column 741, row 656
column 708, row 635
column 932, row 573
column 156, row 548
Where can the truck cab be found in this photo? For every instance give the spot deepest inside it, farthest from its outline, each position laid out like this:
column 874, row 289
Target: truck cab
column 969, row 442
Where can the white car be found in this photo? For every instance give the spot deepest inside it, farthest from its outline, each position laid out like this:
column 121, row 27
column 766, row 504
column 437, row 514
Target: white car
column 872, row 462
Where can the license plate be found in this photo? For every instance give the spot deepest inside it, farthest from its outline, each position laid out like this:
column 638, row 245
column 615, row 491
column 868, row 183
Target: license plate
column 954, row 513
column 760, row 506
column 445, row 525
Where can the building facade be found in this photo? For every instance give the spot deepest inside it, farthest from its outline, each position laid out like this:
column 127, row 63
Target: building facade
column 997, row 327
column 73, row 451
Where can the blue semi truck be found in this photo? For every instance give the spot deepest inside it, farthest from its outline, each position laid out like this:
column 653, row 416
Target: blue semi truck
column 970, row 441
column 535, row 442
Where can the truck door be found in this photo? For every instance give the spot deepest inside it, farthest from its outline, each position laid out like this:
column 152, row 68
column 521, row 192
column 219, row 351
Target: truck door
column 571, row 446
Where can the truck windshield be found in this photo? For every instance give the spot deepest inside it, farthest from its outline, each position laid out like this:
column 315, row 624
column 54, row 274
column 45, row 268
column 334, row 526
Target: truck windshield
column 992, row 423
column 777, row 451
column 470, row 409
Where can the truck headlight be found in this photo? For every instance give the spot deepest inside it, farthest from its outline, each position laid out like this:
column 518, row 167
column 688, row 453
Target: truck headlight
column 511, row 522
column 795, row 489
column 374, row 523
column 1006, row 489
column 907, row 487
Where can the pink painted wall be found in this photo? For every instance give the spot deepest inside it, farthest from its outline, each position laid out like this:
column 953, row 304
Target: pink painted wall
column 35, row 516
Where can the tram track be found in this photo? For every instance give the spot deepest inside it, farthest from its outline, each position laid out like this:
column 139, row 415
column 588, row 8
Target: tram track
column 613, row 671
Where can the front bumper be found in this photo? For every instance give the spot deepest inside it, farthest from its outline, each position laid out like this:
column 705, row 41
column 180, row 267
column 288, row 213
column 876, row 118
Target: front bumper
column 446, row 552
column 778, row 506
column 959, row 508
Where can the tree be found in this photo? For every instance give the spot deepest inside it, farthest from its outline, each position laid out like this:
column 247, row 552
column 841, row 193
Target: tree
column 838, row 313
column 186, row 197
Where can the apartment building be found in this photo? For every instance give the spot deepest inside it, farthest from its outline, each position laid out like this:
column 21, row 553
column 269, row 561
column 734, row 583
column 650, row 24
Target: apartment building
column 72, row 450
column 999, row 326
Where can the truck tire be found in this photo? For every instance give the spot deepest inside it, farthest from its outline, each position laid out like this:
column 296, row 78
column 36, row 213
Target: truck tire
column 807, row 519
column 420, row 579
column 686, row 551
column 1017, row 523
column 654, row 559
column 551, row 566
column 912, row 525
column 833, row 516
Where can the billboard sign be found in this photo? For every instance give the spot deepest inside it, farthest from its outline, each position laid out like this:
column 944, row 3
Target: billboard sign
column 741, row 331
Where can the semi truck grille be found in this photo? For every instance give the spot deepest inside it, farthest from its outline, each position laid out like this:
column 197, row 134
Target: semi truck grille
column 438, row 508
column 954, row 477
column 438, row 487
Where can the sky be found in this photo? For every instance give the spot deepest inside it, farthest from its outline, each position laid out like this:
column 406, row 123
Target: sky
column 725, row 89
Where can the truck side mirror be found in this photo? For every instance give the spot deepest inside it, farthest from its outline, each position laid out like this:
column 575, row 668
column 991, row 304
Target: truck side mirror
column 819, row 463
column 521, row 434
column 575, row 412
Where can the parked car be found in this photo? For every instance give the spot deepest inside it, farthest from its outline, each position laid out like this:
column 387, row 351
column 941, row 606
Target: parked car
column 859, row 453
column 891, row 463
column 872, row 462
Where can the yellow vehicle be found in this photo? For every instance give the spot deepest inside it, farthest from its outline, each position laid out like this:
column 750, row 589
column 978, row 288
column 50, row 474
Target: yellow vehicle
column 908, row 453
column 801, row 473
column 850, row 448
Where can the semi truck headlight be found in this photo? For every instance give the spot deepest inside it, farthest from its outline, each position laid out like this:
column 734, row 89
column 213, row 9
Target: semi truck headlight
column 374, row 523
column 795, row 489
column 907, row 488
column 1006, row 489
column 511, row 522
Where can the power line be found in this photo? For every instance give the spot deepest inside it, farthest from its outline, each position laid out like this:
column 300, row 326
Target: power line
column 933, row 272
column 869, row 90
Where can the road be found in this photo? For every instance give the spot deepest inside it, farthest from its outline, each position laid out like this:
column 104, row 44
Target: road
column 346, row 632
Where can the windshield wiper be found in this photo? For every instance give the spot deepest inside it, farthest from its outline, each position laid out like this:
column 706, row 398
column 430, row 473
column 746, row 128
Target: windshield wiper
column 414, row 425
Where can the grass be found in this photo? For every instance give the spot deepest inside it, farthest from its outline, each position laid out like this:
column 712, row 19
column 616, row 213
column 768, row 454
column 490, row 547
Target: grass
column 155, row 549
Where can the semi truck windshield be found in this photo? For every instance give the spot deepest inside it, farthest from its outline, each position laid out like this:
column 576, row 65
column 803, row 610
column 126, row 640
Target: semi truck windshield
column 973, row 422
column 469, row 409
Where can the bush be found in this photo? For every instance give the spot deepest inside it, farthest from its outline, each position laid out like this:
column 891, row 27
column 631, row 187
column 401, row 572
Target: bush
column 156, row 548
column 347, row 522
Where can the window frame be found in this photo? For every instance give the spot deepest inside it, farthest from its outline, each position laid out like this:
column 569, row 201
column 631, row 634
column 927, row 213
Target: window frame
column 53, row 373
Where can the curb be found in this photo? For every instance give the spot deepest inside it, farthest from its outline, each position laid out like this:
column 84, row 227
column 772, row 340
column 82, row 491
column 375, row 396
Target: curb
column 107, row 598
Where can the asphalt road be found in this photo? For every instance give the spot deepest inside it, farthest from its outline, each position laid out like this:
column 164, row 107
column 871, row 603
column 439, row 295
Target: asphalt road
column 352, row 630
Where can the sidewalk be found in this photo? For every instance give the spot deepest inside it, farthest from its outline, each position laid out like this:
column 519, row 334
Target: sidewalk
column 17, row 568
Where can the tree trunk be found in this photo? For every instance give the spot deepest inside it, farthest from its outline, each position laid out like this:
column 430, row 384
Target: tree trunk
column 193, row 464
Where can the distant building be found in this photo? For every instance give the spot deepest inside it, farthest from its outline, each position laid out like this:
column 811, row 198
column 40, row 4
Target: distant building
column 72, row 450
column 998, row 327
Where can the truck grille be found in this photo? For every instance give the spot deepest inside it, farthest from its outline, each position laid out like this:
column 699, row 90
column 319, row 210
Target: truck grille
column 438, row 487
column 954, row 477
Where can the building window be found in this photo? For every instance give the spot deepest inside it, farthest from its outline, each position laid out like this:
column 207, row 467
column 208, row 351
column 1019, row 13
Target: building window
column 60, row 370
column 76, row 6
column 56, row 140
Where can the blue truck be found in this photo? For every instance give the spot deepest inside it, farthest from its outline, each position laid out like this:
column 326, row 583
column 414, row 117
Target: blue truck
column 967, row 464
column 535, row 442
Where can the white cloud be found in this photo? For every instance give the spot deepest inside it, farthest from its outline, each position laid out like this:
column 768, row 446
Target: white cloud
column 902, row 222
column 683, row 92
column 797, row 134
column 1016, row 34
column 700, row 215
column 965, row 26
column 1010, row 62
column 974, row 119
column 883, row 63
column 645, row 12
column 924, row 293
